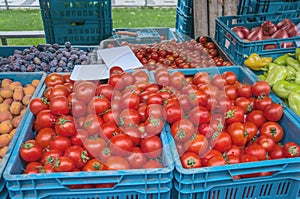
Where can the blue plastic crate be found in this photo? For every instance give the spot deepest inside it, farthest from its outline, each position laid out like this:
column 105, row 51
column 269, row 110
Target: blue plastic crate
column 78, row 31
column 266, row 6
column 184, row 23
column 72, row 9
column 24, row 78
column 236, row 48
column 134, row 183
column 186, row 6
column 144, row 35
column 218, row 182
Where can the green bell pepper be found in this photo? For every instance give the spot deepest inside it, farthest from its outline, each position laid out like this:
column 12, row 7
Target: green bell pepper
column 291, row 73
column 283, row 88
column 276, row 73
column 293, row 63
column 297, row 54
column 297, row 78
column 282, row 60
column 294, row 102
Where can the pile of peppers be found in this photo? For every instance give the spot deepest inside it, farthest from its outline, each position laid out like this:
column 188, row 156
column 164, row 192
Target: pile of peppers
column 283, row 75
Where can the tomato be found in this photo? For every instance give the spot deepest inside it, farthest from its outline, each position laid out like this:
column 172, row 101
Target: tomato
column 78, row 155
column 115, row 70
column 257, row 150
column 64, row 164
column 173, row 112
column 190, row 160
column 54, row 79
column 44, row 136
column 257, row 117
column 136, row 159
column 128, row 79
column 93, row 165
column 154, row 111
column 273, row 112
column 151, row 146
column 105, row 90
column 58, row 90
column 116, row 81
column 85, row 91
column 79, row 137
column 153, row 126
column 251, row 130
column 38, row 104
column 267, row 142
column 244, row 90
column 217, row 160
column 182, row 130
column 199, row 115
column 262, row 102
column 234, row 114
column 232, row 159
column 230, row 77
column 140, row 77
column 31, row 151
column 33, row 167
column 177, row 79
column 59, row 105
column 94, row 146
column 44, row 119
column 208, row 155
column 201, row 78
column 231, row 91
column 129, row 117
column 60, row 143
column 198, row 98
column 92, row 124
column 121, row 144
column 109, row 116
column 78, row 108
column 244, row 103
column 272, row 129
column 261, row 88
column 129, row 100
column 277, row 152
column 197, row 144
column 291, row 150
column 235, row 150
column 163, row 79
column 107, row 130
column 221, row 141
column 65, row 126
column 116, row 163
column 49, row 157
column 152, row 164
column 237, row 132
column 248, row 158
column 98, row 105
column 155, row 98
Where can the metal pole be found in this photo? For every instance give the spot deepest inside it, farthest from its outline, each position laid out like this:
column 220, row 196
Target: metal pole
column 6, row 4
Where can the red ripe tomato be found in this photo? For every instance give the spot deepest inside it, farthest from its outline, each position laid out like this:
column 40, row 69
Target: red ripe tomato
column 182, row 130
column 198, row 98
column 261, row 88
column 291, row 150
column 44, row 136
column 257, row 150
column 237, row 132
column 64, row 164
column 59, row 105
column 257, row 117
column 78, row 155
column 59, row 90
column 31, row 151
column 60, row 143
column 93, row 165
column 154, row 111
column 78, row 108
column 49, row 157
column 65, row 126
column 273, row 112
column 272, row 129
column 190, row 160
column 234, row 114
column 177, row 80
column 208, row 155
column 98, row 105
column 94, row 146
column 140, row 77
column 199, row 115
column 151, row 146
column 173, row 112
column 105, row 90
column 230, row 77
column 231, row 91
column 129, row 100
column 248, row 158
column 201, row 78
column 251, row 130
column 262, row 102
column 108, row 129
column 232, row 159
column 92, row 124
column 235, row 150
column 152, row 164
column 80, row 136
column 153, row 126
column 129, row 117
column 197, row 144
column 217, row 160
column 85, row 91
column 121, row 144
column 116, row 163
column 33, row 167
column 155, row 98
column 44, row 119
column 54, row 79
column 277, row 152
column 267, row 142
column 221, row 141
column 38, row 104
column 245, row 90
column 116, row 70
column 137, row 158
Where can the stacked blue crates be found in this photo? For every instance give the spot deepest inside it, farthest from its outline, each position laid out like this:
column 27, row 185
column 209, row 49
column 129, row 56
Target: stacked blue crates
column 185, row 18
column 81, row 22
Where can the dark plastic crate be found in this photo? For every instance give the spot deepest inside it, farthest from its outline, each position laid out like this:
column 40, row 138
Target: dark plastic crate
column 266, row 6
column 78, row 31
column 72, row 9
column 144, row 35
column 186, row 6
column 24, row 78
column 184, row 23
column 134, row 183
column 217, row 181
column 236, row 48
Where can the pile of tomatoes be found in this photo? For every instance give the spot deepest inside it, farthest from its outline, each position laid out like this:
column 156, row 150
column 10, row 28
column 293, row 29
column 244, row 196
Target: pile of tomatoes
column 93, row 126
column 172, row 54
column 220, row 120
